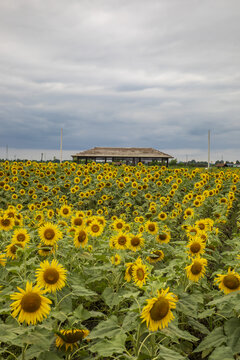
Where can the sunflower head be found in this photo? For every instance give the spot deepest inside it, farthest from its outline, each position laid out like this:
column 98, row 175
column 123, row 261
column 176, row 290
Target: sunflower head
column 80, row 237
column 229, row 282
column 49, row 233
column 51, row 276
column 70, row 338
column 196, row 269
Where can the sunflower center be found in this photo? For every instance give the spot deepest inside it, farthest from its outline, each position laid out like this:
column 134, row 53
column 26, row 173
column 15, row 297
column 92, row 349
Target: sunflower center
column 73, row 337
column 140, row 274
column 31, row 302
column 196, row 268
column 5, row 222
column 135, row 241
column 188, row 213
column 95, row 228
column 20, row 237
column 151, row 227
column 49, row 234
column 78, row 221
column 159, row 310
column 119, row 225
column 162, row 237
column 82, row 236
column 201, row 226
column 231, row 282
column 51, row 276
column 195, row 247
column 65, row 211
column 122, row 240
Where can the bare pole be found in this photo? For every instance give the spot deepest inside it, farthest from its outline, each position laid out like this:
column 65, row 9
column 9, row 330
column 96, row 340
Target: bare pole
column 61, row 147
column 208, row 149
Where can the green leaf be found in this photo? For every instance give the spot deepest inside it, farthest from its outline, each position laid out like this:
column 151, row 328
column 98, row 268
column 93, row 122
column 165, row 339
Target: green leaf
column 81, row 314
column 174, row 332
column 109, row 347
column 110, row 297
column 49, row 355
column 198, row 326
column 168, row 354
column 108, row 328
column 214, row 339
column 223, row 352
column 82, row 291
column 232, row 330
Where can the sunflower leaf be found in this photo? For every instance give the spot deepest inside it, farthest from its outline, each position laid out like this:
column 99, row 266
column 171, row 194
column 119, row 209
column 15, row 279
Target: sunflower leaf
column 222, row 352
column 232, row 330
column 168, row 354
column 214, row 339
column 107, row 347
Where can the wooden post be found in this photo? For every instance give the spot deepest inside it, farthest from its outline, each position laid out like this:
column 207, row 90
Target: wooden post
column 61, row 147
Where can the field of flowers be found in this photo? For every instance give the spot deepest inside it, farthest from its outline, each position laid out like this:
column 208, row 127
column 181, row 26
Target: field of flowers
column 119, row 262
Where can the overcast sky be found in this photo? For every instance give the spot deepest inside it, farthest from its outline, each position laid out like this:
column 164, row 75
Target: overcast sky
column 156, row 73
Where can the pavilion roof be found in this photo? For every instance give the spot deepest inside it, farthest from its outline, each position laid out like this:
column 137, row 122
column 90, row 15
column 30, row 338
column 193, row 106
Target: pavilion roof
column 122, row 152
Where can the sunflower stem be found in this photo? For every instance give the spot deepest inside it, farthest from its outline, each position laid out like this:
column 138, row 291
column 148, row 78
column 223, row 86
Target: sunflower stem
column 140, row 348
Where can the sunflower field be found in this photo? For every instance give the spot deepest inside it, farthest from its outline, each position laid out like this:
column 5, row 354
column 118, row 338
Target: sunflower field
column 100, row 261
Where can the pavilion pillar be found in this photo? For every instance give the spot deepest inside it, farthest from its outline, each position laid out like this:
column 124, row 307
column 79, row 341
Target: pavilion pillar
column 105, row 159
column 167, row 162
column 86, row 160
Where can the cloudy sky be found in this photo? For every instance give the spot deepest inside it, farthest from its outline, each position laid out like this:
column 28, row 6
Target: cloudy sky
column 156, row 73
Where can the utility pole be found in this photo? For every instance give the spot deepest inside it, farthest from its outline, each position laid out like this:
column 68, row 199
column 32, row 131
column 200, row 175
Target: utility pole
column 61, row 147
column 7, row 152
column 208, row 149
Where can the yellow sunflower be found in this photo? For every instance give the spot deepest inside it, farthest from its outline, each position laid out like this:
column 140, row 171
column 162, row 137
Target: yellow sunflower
column 52, row 276
column 151, row 227
column 49, row 233
column 3, row 259
column 128, row 271
column 192, row 232
column 157, row 313
column 116, row 259
column 136, row 242
column 77, row 221
column 196, row 269
column 11, row 249
column 45, row 250
column 118, row 224
column 65, row 211
column 80, row 237
column 162, row 216
column 139, row 273
column 189, row 212
column 95, row 228
column 163, row 237
column 228, row 283
column 196, row 247
column 30, row 305
column 21, row 235
column 70, row 338
column 156, row 255
column 6, row 223
column 121, row 241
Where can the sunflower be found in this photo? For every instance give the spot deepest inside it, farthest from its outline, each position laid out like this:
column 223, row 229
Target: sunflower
column 65, row 211
column 6, row 223
column 136, row 242
column 51, row 276
column 192, row 232
column 189, row 212
column 70, row 338
column 121, row 241
column 77, row 221
column 139, row 273
column 3, row 259
column 151, row 227
column 45, row 250
column 196, row 247
column 157, row 313
column 228, row 283
column 116, row 259
column 49, row 233
column 11, row 249
column 128, row 272
column 80, row 237
column 196, row 269
column 156, row 255
column 30, row 305
column 162, row 216
column 118, row 224
column 20, row 235
column 163, row 237
column 95, row 228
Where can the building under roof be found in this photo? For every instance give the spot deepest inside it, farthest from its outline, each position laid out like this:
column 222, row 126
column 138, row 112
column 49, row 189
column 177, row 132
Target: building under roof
column 118, row 154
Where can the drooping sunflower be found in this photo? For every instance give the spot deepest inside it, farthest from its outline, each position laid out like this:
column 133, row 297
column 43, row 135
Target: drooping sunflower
column 157, row 313
column 49, row 233
column 11, row 249
column 80, row 237
column 229, row 282
column 196, row 247
column 136, row 242
column 21, row 235
column 3, row 259
column 151, row 227
column 121, row 241
column 139, row 273
column 156, row 255
column 196, row 269
column 52, row 276
column 95, row 228
column 30, row 305
column 6, row 223
column 70, row 338
column 128, row 271
column 45, row 250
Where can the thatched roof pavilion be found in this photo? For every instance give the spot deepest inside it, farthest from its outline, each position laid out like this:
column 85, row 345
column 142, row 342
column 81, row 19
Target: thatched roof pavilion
column 118, row 154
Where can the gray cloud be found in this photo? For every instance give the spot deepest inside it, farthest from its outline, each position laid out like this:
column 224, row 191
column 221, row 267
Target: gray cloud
column 130, row 73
